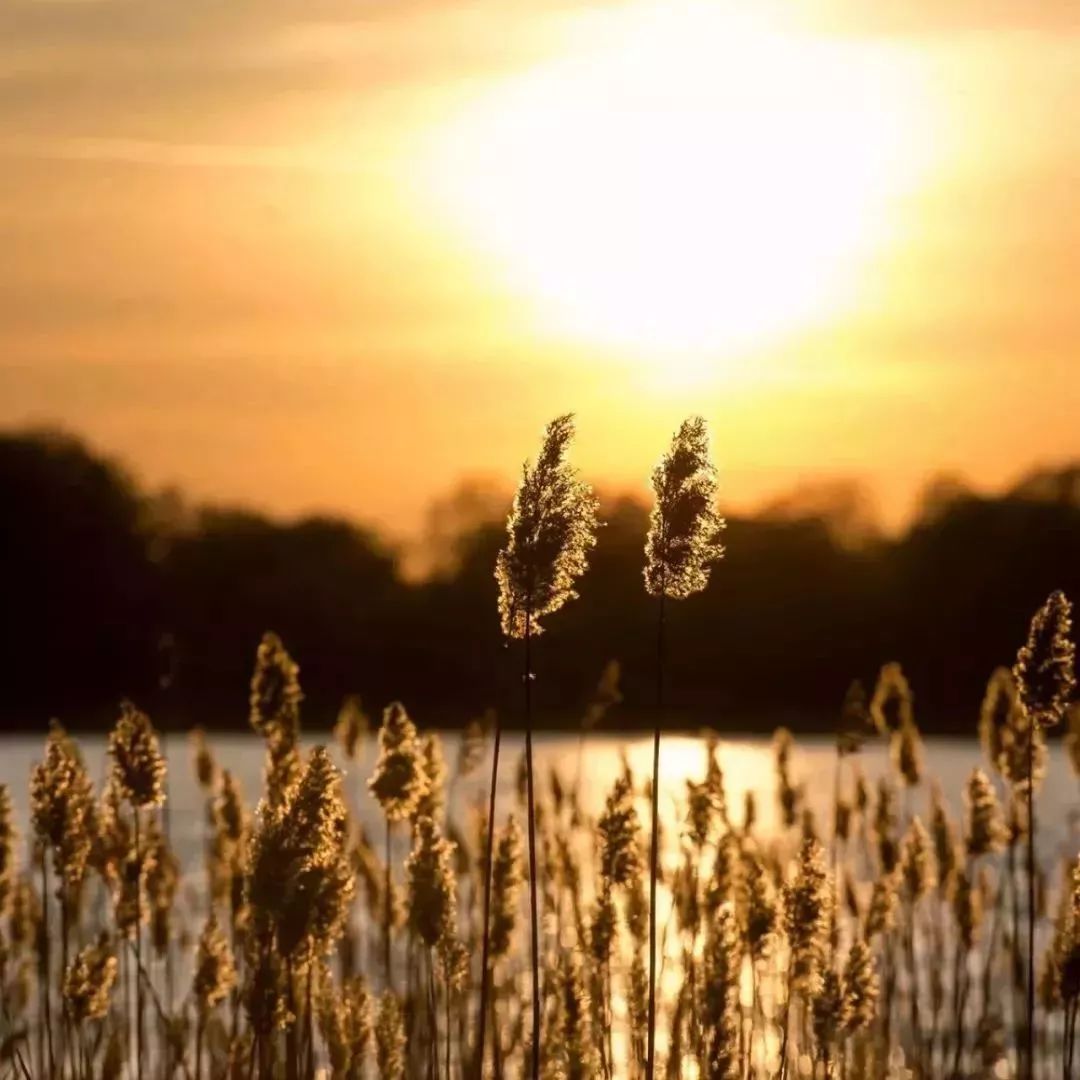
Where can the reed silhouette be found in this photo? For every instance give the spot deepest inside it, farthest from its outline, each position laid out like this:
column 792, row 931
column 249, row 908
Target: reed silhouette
column 891, row 942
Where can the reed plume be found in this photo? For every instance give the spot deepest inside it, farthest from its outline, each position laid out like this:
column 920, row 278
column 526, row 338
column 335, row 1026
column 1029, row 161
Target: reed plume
column 1045, row 680
column 351, row 728
column 274, row 701
column 390, row 1038
column 346, row 1020
column 892, row 706
column 213, row 981
column 985, row 824
column 807, row 912
column 137, row 776
column 550, row 531
column 138, row 768
column 8, row 837
column 61, row 813
column 88, row 982
column 398, row 784
column 206, row 769
column 722, row 1017
column 683, row 542
column 300, row 877
column 507, row 881
column 860, row 987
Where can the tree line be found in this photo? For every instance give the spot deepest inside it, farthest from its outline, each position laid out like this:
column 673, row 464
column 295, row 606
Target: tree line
column 113, row 591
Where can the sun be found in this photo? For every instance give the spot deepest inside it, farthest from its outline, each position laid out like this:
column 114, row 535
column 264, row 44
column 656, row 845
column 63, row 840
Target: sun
column 683, row 184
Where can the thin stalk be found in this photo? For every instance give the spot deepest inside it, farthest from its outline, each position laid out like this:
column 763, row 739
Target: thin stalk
column 996, row 919
column 485, row 973
column 960, row 991
column 1031, row 901
column 533, row 907
column 309, row 1028
column 1017, row 973
column 387, row 959
column 46, row 991
column 138, row 949
column 784, row 1037
column 654, row 847
column 181, row 1056
column 1071, row 1012
column 916, row 1021
column 65, row 1020
column 446, row 1017
column 753, row 1018
column 292, row 1035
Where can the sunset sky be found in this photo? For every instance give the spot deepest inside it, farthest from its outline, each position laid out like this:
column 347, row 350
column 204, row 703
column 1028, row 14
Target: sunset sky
column 336, row 254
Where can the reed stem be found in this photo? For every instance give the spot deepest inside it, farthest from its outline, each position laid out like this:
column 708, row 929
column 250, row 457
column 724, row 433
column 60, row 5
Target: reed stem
column 654, row 847
column 533, row 907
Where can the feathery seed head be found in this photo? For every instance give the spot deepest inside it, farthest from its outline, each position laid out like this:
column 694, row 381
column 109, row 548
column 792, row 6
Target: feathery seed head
column 7, row 849
column 854, row 720
column 884, row 899
column 906, row 749
column 885, row 825
column 61, row 805
column 915, row 862
column 788, row 795
column 807, row 910
column 390, row 1038
column 431, row 803
column 724, row 885
column 759, row 901
column 997, row 715
column 430, row 872
column 606, row 695
column 351, row 728
column 275, row 692
column 550, row 530
column 945, row 839
column 88, row 982
column 215, row 973
column 619, row 829
column 1044, row 669
column 829, row 1009
column 967, row 909
column 137, row 765
column 203, row 760
column 602, row 926
column 722, row 1019
column 473, row 744
column 685, row 528
column 892, row 707
column 399, row 782
column 986, row 830
column 507, row 878
column 860, row 987
column 576, row 1046
column 300, row 878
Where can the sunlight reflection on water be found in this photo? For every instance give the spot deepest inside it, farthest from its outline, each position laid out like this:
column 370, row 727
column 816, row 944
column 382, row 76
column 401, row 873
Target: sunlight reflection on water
column 747, row 764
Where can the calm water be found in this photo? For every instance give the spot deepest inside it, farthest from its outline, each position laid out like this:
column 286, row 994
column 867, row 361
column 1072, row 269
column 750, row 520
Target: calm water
column 747, row 764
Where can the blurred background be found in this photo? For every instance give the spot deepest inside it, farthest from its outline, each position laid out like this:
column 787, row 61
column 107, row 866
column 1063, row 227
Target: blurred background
column 288, row 291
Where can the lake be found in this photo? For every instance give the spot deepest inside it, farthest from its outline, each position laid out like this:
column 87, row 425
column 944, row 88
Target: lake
column 747, row 763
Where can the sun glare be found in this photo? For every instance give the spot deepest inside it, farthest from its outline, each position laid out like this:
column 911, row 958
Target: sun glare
column 683, row 184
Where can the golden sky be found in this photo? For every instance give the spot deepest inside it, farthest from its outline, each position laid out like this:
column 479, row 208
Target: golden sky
column 336, row 254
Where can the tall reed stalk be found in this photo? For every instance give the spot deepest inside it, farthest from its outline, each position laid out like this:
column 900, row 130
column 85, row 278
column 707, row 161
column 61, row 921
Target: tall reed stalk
column 683, row 540
column 654, row 836
column 550, row 530
column 534, row 914
column 489, row 856
column 1045, row 680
